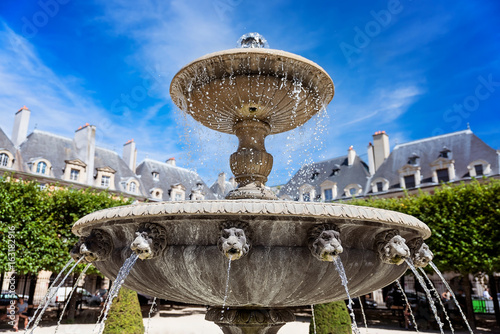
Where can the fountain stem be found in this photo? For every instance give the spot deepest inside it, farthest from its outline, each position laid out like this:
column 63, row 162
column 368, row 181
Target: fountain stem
column 251, row 164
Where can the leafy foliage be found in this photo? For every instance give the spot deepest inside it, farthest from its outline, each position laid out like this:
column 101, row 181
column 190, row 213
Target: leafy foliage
column 464, row 220
column 125, row 314
column 331, row 318
column 42, row 220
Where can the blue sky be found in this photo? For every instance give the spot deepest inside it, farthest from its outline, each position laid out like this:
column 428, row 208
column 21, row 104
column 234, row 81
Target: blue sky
column 412, row 68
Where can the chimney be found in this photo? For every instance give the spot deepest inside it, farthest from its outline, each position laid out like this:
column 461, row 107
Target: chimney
column 84, row 143
column 130, row 154
column 371, row 162
column 221, row 180
column 20, row 129
column 171, row 162
column 351, row 155
column 381, row 148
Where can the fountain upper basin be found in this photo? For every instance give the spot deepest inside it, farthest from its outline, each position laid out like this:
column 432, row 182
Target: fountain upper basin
column 278, row 88
column 279, row 269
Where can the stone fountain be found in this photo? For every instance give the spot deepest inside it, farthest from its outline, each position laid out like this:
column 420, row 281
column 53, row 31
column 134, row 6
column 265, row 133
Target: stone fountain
column 280, row 251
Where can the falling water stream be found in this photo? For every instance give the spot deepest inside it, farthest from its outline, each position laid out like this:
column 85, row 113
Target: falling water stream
column 226, row 293
column 115, row 288
column 363, row 313
column 407, row 303
column 68, row 299
column 46, row 297
column 452, row 295
column 149, row 315
column 427, row 292
column 340, row 269
column 314, row 318
column 51, row 295
column 433, row 289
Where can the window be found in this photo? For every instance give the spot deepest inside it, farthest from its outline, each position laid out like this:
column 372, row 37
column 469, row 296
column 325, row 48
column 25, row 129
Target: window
column 132, row 187
column 157, row 194
column 353, row 191
column 442, row 175
column 74, row 174
column 479, row 170
column 445, row 153
column 156, row 176
column 328, row 194
column 178, row 197
column 380, row 186
column 413, row 159
column 4, row 160
column 105, row 181
column 41, row 167
column 335, row 170
column 409, row 181
column 315, row 174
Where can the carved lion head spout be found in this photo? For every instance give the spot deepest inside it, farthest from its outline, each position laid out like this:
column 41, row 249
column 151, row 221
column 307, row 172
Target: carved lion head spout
column 95, row 247
column 142, row 245
column 420, row 252
column 324, row 242
column 391, row 247
column 233, row 242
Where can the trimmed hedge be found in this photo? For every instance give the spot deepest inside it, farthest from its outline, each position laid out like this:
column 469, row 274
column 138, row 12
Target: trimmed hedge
column 125, row 314
column 331, row 318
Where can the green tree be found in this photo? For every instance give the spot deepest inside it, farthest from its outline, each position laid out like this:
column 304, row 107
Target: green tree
column 125, row 314
column 331, row 318
column 465, row 224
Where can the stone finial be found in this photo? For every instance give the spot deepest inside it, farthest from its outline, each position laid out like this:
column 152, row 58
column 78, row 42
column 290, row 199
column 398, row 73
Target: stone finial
column 391, row 247
column 324, row 242
column 150, row 241
column 233, row 241
column 421, row 255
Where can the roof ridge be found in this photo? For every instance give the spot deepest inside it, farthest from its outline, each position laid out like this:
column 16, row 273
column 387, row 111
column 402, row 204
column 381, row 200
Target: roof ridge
column 467, row 131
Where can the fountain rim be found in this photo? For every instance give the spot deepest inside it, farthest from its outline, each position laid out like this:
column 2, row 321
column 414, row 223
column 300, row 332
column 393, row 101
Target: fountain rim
column 251, row 208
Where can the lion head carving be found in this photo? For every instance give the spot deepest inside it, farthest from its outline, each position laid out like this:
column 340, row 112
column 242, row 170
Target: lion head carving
column 95, row 247
column 150, row 240
column 324, row 242
column 391, row 247
column 142, row 245
column 420, row 252
column 233, row 241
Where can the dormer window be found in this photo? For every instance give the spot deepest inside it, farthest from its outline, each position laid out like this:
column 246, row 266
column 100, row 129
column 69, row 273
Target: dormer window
column 353, row 190
column 479, row 168
column 413, row 160
column 105, row 178
column 156, row 193
column 105, row 181
column 315, row 174
column 409, row 176
column 41, row 167
column 443, row 169
column 177, row 192
column 132, row 187
column 410, row 181
column 156, row 176
column 75, row 170
column 4, row 160
column 74, row 175
column 380, row 184
column 307, row 193
column 335, row 170
column 328, row 191
column 445, row 153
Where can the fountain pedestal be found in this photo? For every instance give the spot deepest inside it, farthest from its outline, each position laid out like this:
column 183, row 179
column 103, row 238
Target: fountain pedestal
column 250, row 320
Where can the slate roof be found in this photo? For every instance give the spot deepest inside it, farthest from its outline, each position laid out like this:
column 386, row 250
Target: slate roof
column 170, row 175
column 219, row 192
column 465, row 148
column 58, row 149
column 316, row 173
column 6, row 143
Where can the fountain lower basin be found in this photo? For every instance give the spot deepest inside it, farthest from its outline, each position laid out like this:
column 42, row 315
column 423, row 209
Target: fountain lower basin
column 279, row 269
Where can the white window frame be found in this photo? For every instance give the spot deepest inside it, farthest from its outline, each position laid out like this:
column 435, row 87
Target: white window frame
column 385, row 184
column 327, row 184
column 443, row 163
column 48, row 166
column 177, row 191
column 307, row 188
column 408, row 170
column 133, row 186
column 78, row 165
column 105, row 172
column 10, row 159
column 347, row 190
column 472, row 169
column 156, row 193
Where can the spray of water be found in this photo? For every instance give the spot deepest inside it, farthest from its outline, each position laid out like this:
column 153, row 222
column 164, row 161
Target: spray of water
column 314, row 318
column 427, row 292
column 113, row 292
column 408, row 304
column 363, row 313
column 70, row 295
column 149, row 315
column 438, row 297
column 51, row 295
column 226, row 293
column 433, row 266
column 46, row 297
column 340, row 269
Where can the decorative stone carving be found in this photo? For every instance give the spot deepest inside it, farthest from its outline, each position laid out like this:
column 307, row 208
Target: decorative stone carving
column 150, row 241
column 95, row 247
column 324, row 242
column 391, row 247
column 233, row 241
column 251, row 321
column 421, row 255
